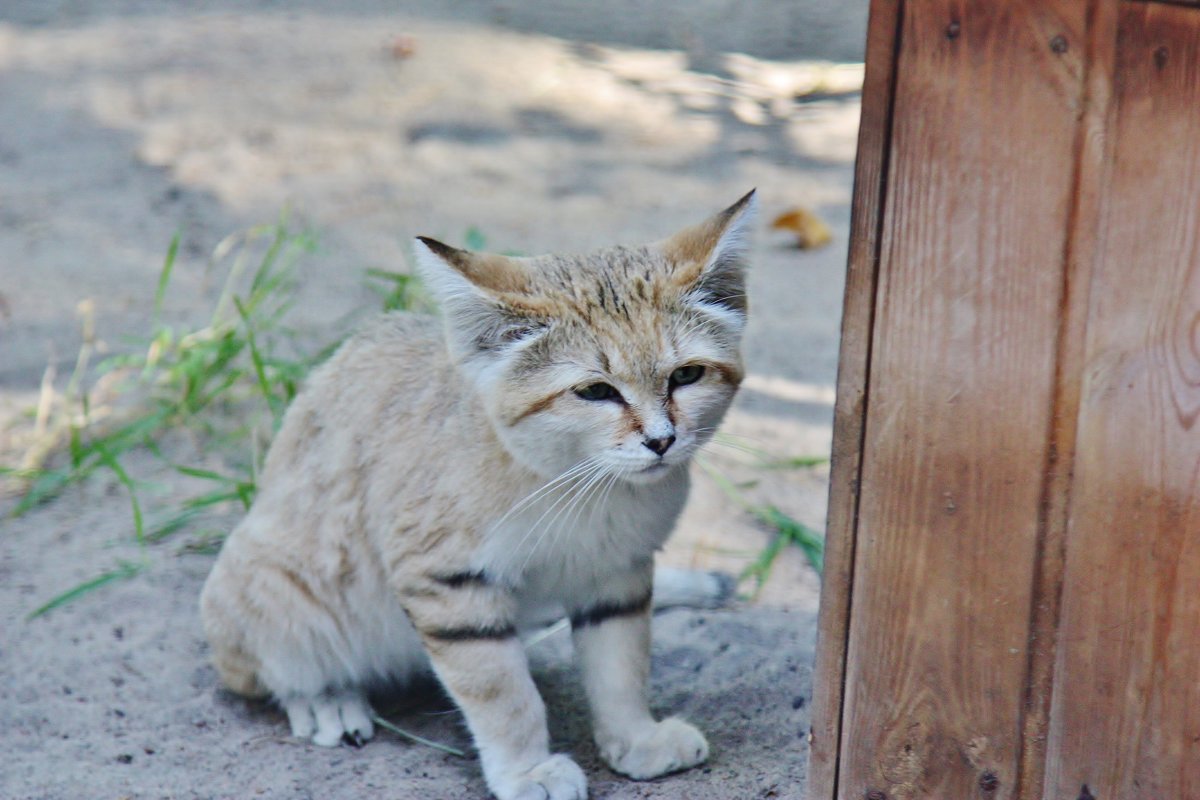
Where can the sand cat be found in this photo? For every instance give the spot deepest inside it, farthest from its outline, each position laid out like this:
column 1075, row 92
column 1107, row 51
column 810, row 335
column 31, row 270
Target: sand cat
column 432, row 491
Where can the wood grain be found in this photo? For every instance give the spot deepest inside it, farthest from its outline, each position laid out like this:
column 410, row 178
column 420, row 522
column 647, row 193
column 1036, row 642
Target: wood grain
column 850, row 409
column 1191, row 3
column 1126, row 710
column 961, row 389
column 1092, row 156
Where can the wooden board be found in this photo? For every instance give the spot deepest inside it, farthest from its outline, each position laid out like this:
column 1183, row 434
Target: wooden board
column 961, row 382
column 870, row 172
column 1091, row 171
column 1012, row 608
column 1126, row 709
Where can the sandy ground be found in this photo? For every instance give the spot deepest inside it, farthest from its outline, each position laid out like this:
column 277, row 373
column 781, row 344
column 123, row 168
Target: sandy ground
column 545, row 126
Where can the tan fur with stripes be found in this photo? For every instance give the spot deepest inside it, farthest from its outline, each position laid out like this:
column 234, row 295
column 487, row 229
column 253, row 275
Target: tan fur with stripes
column 437, row 484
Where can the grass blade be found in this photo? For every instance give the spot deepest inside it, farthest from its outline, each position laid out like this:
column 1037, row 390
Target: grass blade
column 126, row 570
column 412, row 737
column 111, row 462
column 795, row 532
column 46, row 485
column 760, row 568
column 259, row 369
column 788, row 530
column 203, row 474
column 795, row 462
column 242, row 492
column 164, row 277
column 260, row 282
column 176, row 523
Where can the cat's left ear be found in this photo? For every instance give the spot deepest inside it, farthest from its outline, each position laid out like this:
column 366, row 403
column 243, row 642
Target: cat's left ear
column 709, row 259
column 487, row 299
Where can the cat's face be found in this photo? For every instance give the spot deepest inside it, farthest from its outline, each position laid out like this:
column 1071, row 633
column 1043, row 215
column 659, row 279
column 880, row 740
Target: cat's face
column 618, row 363
column 632, row 394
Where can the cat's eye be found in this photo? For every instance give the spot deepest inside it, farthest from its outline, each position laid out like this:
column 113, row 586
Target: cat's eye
column 598, row 391
column 685, row 375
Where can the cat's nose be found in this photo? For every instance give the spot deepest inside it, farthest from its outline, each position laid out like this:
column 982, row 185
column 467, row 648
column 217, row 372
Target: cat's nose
column 661, row 444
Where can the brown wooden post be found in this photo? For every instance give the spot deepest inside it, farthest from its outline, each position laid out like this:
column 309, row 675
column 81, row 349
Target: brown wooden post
column 869, row 186
column 1126, row 707
column 1012, row 599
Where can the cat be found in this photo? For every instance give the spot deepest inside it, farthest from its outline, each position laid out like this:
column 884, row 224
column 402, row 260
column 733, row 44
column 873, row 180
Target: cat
column 431, row 492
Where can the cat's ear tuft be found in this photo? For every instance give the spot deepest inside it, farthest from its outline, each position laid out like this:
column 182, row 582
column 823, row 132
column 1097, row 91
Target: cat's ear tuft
column 427, row 247
column 484, row 297
column 488, row 272
column 709, row 259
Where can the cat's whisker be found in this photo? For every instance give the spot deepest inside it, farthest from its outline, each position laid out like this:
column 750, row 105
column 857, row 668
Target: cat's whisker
column 750, row 444
column 603, row 502
column 689, row 327
column 570, row 512
column 578, row 474
column 603, row 497
column 588, row 493
column 565, row 477
column 576, row 500
column 600, row 496
column 764, row 456
column 735, row 446
column 567, row 496
column 721, row 434
column 545, row 488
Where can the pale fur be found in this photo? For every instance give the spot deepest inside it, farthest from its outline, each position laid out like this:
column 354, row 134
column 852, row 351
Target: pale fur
column 432, row 490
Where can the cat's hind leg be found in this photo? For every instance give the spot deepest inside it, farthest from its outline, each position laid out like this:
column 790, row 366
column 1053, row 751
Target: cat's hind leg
column 331, row 718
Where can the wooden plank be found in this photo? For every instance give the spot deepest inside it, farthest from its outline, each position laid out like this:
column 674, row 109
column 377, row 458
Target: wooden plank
column 961, row 390
column 870, row 171
column 1093, row 154
column 1192, row 3
column 1126, row 710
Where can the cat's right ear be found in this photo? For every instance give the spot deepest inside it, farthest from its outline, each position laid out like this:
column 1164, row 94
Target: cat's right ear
column 710, row 258
column 486, row 298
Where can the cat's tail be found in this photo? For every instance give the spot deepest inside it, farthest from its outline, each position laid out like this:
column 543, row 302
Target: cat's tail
column 689, row 588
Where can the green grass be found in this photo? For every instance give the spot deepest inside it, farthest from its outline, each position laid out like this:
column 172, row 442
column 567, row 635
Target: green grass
column 398, row 290
column 123, row 571
column 227, row 381
column 785, row 530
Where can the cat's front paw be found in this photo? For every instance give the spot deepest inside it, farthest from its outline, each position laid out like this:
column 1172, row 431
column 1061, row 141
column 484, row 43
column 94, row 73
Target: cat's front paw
column 654, row 749
column 556, row 778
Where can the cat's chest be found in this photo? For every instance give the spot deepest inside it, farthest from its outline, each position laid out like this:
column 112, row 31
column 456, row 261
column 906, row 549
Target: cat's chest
column 568, row 542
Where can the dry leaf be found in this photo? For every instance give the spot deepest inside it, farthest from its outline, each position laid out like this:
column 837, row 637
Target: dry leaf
column 403, row 47
column 810, row 230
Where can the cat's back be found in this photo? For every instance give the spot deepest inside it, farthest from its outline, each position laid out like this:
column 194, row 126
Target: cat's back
column 381, row 382
column 399, row 357
column 384, row 394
